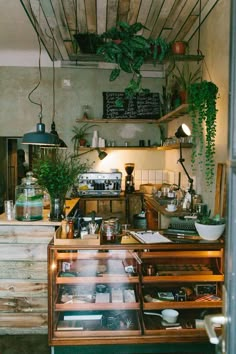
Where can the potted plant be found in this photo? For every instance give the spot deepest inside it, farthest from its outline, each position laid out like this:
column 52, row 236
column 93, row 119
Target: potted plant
column 183, row 78
column 88, row 42
column 128, row 53
column 80, row 134
column 179, row 47
column 210, row 228
column 202, row 97
column 57, row 172
column 159, row 49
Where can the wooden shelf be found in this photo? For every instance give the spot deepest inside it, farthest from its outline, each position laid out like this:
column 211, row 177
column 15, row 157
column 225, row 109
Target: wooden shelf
column 178, row 112
column 150, row 148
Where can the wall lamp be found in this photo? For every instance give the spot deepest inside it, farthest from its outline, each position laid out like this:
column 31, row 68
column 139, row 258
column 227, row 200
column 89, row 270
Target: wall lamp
column 182, row 132
column 101, row 153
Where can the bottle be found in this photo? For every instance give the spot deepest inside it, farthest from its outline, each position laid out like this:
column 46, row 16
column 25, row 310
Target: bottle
column 95, row 139
column 70, row 233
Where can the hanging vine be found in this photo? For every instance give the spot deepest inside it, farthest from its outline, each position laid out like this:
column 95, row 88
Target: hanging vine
column 202, row 99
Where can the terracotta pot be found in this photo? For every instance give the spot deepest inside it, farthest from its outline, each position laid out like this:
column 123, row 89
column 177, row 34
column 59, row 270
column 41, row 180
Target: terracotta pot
column 178, row 48
column 82, row 142
column 183, row 96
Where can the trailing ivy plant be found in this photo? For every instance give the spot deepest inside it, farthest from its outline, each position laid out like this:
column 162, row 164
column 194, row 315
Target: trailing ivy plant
column 202, row 97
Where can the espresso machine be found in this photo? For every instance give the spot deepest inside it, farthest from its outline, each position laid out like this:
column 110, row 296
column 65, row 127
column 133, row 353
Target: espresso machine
column 129, row 179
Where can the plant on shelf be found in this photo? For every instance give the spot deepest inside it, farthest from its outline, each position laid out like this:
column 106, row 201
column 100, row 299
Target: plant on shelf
column 183, row 78
column 179, row 47
column 88, row 42
column 202, row 97
column 80, row 134
column 57, row 172
column 159, row 49
column 129, row 50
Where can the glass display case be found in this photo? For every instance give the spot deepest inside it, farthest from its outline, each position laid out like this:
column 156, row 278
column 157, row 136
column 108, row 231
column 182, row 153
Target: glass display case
column 119, row 291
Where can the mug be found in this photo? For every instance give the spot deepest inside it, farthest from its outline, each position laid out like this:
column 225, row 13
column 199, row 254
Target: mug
column 170, row 315
column 171, row 207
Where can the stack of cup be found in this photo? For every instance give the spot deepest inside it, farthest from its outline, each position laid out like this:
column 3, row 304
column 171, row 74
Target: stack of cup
column 9, row 209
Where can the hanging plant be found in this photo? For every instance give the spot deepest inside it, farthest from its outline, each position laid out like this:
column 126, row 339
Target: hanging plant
column 202, row 98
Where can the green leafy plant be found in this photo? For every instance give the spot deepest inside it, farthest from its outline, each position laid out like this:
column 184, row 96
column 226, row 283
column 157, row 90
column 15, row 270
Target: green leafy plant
column 80, row 133
column 183, row 77
column 207, row 220
column 129, row 53
column 57, row 171
column 202, row 99
column 159, row 49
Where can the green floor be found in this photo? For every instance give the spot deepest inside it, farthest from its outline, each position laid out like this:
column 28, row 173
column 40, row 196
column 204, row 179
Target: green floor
column 38, row 344
column 192, row 348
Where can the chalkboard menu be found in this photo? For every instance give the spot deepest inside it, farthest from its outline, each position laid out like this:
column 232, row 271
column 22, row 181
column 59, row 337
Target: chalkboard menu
column 140, row 106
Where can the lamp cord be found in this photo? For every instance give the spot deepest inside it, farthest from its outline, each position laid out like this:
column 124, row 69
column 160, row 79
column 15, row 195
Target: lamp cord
column 39, row 66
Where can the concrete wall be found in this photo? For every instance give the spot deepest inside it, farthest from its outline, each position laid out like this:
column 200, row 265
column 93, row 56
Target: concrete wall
column 214, row 44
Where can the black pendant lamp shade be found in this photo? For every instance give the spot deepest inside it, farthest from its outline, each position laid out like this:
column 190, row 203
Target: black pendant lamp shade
column 61, row 143
column 40, row 137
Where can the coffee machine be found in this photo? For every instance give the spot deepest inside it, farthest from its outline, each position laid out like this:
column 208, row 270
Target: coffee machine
column 129, row 179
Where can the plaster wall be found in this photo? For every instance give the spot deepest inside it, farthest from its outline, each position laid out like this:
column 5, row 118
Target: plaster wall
column 214, row 44
column 18, row 115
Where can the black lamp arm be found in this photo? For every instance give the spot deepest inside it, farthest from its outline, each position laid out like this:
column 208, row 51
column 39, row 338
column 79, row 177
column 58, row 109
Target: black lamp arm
column 181, row 161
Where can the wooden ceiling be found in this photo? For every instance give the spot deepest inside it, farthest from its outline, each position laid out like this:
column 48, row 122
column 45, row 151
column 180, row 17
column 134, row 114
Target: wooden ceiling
column 61, row 19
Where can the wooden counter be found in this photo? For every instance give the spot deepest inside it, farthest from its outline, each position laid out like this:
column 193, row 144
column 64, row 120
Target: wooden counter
column 23, row 276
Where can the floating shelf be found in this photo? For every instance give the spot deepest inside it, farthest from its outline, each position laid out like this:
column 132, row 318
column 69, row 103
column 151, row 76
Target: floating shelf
column 178, row 112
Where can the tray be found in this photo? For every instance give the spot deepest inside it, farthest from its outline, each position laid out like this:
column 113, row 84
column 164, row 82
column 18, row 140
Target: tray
column 90, row 239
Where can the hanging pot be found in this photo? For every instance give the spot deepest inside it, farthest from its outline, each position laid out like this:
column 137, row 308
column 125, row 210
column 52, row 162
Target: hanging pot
column 178, row 47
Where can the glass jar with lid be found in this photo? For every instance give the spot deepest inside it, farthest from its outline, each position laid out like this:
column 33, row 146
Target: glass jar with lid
column 110, row 229
column 29, row 199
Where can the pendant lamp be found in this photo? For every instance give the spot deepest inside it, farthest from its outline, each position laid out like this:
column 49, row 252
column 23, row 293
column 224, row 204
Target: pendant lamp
column 61, row 143
column 39, row 137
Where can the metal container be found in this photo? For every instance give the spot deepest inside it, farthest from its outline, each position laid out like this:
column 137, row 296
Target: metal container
column 29, row 199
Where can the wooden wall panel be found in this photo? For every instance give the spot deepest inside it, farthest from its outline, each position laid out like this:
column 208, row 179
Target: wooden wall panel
column 23, row 278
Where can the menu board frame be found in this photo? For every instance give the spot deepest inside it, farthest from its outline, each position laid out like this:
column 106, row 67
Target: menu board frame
column 140, row 106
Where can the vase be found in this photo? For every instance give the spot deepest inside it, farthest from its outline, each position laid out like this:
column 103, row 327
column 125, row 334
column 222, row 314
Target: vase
column 57, row 208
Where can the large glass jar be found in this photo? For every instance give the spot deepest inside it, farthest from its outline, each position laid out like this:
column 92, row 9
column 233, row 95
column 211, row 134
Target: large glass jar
column 29, row 199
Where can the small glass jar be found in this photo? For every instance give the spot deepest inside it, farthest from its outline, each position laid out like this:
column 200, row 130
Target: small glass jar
column 110, row 229
column 29, row 199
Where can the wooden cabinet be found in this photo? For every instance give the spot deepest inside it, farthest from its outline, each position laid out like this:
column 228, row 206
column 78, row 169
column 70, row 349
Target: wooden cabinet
column 123, row 207
column 115, row 293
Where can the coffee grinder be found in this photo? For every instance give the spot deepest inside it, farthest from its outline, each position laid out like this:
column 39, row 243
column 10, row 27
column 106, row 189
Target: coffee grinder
column 129, row 179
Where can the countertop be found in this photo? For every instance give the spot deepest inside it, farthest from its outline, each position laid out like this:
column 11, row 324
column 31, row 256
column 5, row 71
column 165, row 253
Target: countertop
column 162, row 208
column 70, row 204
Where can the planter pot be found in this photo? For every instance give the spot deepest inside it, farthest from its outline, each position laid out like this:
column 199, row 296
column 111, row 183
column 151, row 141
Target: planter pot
column 82, row 142
column 183, row 96
column 178, row 48
column 88, row 42
column 210, row 232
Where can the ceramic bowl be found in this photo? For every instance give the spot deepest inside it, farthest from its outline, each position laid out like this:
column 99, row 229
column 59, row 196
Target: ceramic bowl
column 210, row 232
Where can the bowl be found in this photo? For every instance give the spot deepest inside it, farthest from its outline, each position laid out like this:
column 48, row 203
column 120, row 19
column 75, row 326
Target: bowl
column 210, row 232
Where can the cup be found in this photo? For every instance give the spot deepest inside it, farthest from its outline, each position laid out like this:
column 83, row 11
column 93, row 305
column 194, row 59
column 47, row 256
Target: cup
column 171, row 207
column 170, row 315
column 9, row 209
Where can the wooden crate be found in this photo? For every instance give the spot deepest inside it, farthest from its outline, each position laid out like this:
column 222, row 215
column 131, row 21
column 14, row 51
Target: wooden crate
column 90, row 239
